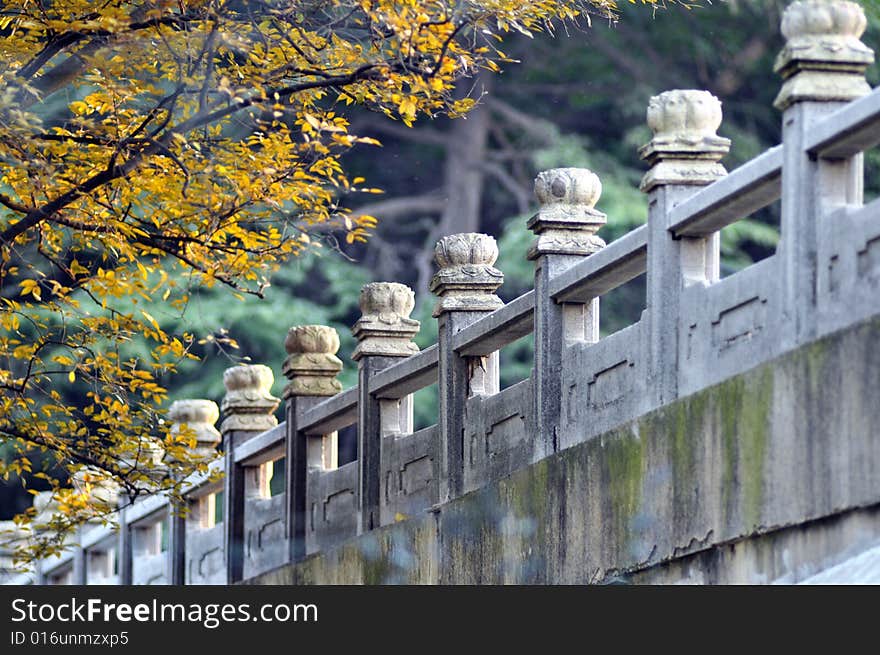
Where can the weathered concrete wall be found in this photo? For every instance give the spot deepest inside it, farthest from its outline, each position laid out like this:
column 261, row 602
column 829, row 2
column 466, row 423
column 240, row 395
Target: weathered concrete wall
column 771, row 475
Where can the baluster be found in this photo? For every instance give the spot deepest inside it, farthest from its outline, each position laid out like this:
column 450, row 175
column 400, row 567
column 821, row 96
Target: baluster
column 248, row 410
column 566, row 226
column 103, row 495
column 196, row 416
column 384, row 333
column 466, row 283
column 311, row 366
column 684, row 156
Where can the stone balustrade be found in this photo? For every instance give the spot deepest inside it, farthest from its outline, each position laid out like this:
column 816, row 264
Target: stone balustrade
column 697, row 330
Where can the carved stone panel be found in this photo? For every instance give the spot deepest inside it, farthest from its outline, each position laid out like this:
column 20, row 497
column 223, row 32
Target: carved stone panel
column 264, row 543
column 728, row 327
column 739, row 324
column 499, row 437
column 408, row 471
column 150, row 569
column 602, row 385
column 331, row 506
column 849, row 267
column 205, row 557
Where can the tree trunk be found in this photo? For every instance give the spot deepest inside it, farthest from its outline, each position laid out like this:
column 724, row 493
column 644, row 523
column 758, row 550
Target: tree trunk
column 463, row 176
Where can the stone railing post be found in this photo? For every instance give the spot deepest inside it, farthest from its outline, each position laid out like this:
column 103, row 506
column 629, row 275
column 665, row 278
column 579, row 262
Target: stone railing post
column 465, row 283
column 248, row 410
column 684, row 156
column 148, row 452
column 198, row 416
column 384, row 333
column 823, row 67
column 103, row 496
column 311, row 367
column 45, row 506
column 566, row 226
column 78, row 574
column 124, row 549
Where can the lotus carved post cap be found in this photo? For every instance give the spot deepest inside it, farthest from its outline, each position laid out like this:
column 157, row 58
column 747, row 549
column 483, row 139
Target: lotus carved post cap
column 46, row 506
column 102, row 491
column 385, row 327
column 147, row 454
column 567, row 222
column 312, row 364
column 685, row 149
column 824, row 58
column 248, row 404
column 466, row 280
column 45, row 502
column 197, row 416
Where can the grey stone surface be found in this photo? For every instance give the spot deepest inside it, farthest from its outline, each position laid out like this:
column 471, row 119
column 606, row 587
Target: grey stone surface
column 567, row 222
column 63, row 575
column 685, row 149
column 565, row 226
column 376, row 418
column 100, row 557
column 312, row 364
column 407, row 375
column 823, row 59
column 603, row 384
column 149, row 563
column 301, row 450
column 332, row 515
column 853, row 129
column 206, row 559
column 683, row 154
column 848, row 267
column 859, row 569
column 385, row 328
column 252, row 448
column 150, row 569
column 265, row 547
column 794, row 554
column 465, row 283
column 729, row 327
column 408, row 472
column 500, row 434
column 751, row 187
column 498, row 329
column 603, row 271
column 384, row 333
column 196, row 417
column 466, row 279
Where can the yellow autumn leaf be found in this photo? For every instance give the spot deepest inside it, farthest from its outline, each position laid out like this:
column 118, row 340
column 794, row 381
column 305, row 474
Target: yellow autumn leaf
column 78, row 107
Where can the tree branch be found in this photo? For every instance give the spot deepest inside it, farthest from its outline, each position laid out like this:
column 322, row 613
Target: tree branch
column 393, row 208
